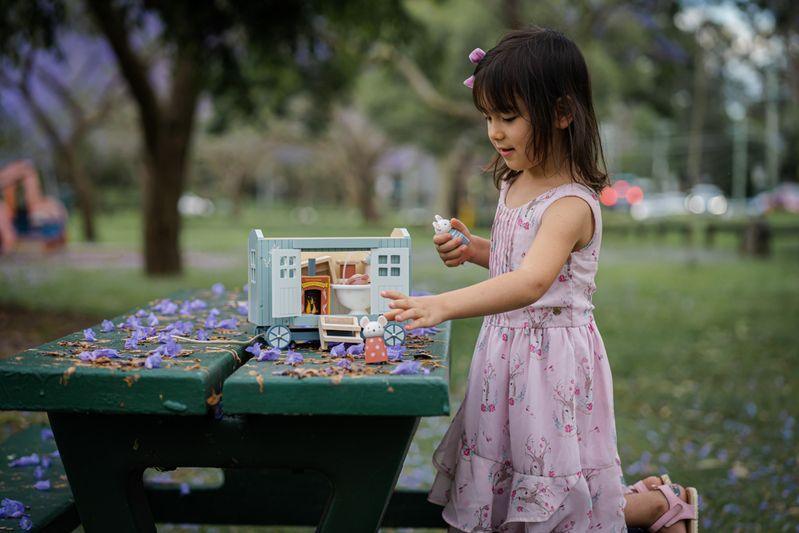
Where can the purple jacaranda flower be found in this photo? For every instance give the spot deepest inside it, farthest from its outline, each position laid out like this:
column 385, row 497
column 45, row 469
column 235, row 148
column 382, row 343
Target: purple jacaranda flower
column 197, row 304
column 25, row 460
column 131, row 322
column 152, row 361
column 170, row 349
column 355, row 350
column 166, row 307
column 184, row 328
column 141, row 313
column 254, row 349
column 106, row 352
column 213, row 312
column 395, row 352
column 218, row 289
column 202, row 335
column 46, row 461
column 25, row 523
column 131, row 343
column 39, row 472
column 11, row 508
column 242, row 309
column 152, row 320
column 338, row 350
column 185, row 308
column 294, row 358
column 44, row 484
column 272, row 354
column 46, row 434
column 164, row 336
column 184, row 489
column 344, row 363
column 410, row 367
column 230, row 323
column 210, row 322
column 88, row 334
column 424, row 331
column 86, row 356
column 107, row 326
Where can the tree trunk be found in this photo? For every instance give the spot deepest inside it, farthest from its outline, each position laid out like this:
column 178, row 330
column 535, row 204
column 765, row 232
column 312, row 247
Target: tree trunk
column 366, row 194
column 163, row 186
column 75, row 174
column 699, row 104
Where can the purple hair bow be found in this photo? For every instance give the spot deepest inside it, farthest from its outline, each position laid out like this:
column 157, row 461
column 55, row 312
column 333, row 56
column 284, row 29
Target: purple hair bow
column 475, row 57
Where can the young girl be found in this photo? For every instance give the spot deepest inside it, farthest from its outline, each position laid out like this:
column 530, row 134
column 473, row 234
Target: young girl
column 533, row 446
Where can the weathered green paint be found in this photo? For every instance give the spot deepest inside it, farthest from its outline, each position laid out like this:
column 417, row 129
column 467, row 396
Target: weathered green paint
column 35, row 380
column 55, row 507
column 255, row 389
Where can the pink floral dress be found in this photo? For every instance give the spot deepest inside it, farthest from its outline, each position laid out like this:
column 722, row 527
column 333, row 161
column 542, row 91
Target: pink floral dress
column 533, row 445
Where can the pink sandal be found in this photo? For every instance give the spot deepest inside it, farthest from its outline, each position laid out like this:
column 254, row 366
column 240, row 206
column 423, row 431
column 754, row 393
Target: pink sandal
column 679, row 510
column 640, row 487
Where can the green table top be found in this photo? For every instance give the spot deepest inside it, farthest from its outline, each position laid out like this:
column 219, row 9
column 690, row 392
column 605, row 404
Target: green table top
column 52, row 377
column 319, row 386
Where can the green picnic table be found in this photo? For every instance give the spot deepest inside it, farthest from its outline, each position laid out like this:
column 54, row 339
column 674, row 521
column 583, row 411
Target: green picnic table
column 312, row 443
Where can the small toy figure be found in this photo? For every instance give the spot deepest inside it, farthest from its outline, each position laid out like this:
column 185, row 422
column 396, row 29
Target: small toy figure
column 443, row 225
column 375, row 349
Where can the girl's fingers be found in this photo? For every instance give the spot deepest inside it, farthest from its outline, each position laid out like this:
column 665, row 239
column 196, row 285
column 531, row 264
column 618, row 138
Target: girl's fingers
column 408, row 314
column 418, row 323
column 455, row 254
column 392, row 315
column 399, row 304
column 393, row 295
column 441, row 238
column 449, row 245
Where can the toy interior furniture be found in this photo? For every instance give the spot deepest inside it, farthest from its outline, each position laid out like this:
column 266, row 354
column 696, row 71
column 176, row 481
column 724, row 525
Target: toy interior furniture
column 287, row 297
column 295, row 451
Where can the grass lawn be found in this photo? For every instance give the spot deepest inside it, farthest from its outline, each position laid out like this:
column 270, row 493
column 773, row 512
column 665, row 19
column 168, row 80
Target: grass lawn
column 704, row 345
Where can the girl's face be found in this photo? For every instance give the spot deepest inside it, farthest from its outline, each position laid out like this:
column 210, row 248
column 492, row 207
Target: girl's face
column 510, row 134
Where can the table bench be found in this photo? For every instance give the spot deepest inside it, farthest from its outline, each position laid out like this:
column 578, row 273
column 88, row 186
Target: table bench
column 51, row 510
column 324, row 450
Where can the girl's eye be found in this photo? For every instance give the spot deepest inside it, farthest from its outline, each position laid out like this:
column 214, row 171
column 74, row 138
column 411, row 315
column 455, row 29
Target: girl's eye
column 509, row 119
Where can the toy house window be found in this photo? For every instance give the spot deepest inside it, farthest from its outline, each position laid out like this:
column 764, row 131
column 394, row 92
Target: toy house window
column 395, row 271
column 252, row 266
column 382, row 259
column 282, row 262
column 382, row 271
column 395, row 260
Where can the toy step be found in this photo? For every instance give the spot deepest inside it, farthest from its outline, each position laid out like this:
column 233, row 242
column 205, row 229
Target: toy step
column 338, row 324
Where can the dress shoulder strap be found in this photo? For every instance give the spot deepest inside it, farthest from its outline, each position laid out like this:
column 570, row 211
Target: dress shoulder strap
column 581, row 191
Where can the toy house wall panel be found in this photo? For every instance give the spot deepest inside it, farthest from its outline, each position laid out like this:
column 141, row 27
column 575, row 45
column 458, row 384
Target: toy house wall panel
column 286, row 282
column 388, row 272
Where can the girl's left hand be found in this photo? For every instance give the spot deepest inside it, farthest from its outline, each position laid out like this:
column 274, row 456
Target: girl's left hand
column 425, row 311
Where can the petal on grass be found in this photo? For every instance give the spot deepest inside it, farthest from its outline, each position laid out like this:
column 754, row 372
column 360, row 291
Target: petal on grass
column 88, row 334
column 107, row 326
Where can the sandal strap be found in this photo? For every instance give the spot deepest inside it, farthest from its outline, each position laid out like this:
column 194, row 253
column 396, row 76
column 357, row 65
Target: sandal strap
column 640, row 487
column 678, row 510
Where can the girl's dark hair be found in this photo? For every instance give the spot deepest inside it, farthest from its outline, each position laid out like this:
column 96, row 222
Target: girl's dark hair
column 544, row 71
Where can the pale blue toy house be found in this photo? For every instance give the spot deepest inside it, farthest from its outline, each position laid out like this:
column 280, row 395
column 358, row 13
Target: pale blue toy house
column 290, row 300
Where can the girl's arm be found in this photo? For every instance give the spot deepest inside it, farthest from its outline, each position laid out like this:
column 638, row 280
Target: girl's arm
column 479, row 249
column 562, row 226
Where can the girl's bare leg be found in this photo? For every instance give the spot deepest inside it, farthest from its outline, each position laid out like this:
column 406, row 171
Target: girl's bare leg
column 643, row 509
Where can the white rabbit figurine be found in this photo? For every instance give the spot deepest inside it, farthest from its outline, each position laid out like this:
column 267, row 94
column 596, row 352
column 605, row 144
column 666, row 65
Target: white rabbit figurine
column 374, row 350
column 443, row 225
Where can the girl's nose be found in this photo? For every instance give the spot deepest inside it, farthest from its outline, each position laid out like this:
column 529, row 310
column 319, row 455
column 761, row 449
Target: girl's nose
column 495, row 133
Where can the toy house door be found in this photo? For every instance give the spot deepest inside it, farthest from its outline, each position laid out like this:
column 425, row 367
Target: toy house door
column 389, row 271
column 286, row 283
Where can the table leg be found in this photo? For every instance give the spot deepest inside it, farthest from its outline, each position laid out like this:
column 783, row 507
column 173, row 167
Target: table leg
column 105, row 455
column 108, row 490
column 362, row 487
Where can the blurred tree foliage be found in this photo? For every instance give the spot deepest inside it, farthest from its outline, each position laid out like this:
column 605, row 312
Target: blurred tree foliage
column 245, row 54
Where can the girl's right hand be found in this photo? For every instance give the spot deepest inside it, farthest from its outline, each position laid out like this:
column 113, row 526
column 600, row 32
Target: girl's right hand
column 451, row 250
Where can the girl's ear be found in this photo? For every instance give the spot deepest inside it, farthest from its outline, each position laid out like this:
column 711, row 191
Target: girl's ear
column 563, row 112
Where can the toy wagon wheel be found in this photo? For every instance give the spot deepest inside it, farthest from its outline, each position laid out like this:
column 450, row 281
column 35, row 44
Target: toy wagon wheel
column 394, row 334
column 278, row 337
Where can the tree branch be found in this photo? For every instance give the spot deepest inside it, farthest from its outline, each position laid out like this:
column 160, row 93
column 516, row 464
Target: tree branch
column 419, row 82
column 111, row 22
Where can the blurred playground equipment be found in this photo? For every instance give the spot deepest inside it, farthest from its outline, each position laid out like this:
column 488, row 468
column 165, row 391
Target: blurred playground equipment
column 31, row 216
